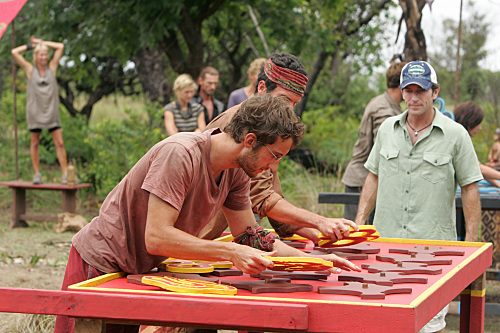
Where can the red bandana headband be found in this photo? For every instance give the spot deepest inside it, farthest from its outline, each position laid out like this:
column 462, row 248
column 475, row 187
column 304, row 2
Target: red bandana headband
column 288, row 79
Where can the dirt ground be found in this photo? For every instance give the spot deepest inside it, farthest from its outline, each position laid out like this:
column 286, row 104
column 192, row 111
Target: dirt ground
column 36, row 257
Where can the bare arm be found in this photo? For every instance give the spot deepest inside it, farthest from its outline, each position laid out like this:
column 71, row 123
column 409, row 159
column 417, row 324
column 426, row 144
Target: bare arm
column 58, row 51
column 336, row 228
column 472, row 211
column 168, row 117
column 367, row 199
column 201, row 122
column 237, row 225
column 163, row 238
column 23, row 63
column 490, row 174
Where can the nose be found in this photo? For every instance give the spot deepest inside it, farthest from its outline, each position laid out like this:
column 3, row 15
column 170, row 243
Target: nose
column 274, row 165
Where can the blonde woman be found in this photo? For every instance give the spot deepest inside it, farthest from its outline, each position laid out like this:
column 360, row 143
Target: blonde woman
column 182, row 115
column 240, row 95
column 42, row 105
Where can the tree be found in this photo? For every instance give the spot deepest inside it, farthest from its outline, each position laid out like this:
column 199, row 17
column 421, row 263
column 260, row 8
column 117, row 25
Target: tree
column 342, row 32
column 415, row 47
column 472, row 49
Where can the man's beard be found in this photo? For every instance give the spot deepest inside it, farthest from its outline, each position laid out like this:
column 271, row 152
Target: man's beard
column 248, row 163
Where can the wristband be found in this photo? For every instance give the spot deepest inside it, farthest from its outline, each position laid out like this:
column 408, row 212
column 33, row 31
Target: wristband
column 29, row 47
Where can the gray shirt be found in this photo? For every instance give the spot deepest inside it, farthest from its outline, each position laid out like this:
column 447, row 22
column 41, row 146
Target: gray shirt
column 42, row 102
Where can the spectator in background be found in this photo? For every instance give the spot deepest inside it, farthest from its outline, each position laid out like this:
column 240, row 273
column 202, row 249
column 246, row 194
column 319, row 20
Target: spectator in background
column 470, row 116
column 42, row 103
column 240, row 95
column 182, row 115
column 379, row 109
column 494, row 154
column 208, row 81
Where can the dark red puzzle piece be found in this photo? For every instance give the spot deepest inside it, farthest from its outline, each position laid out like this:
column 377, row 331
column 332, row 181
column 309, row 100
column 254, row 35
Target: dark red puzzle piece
column 405, row 268
column 382, row 278
column 364, row 290
column 348, row 256
column 225, row 272
column 358, row 248
column 424, row 249
column 257, row 287
column 424, row 258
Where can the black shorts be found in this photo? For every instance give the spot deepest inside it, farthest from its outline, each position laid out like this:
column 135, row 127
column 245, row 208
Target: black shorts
column 39, row 130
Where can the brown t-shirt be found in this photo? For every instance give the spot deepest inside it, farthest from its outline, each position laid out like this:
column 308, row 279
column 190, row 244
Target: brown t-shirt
column 178, row 171
column 265, row 191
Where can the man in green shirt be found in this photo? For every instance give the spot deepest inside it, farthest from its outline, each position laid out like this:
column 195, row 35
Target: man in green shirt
column 418, row 159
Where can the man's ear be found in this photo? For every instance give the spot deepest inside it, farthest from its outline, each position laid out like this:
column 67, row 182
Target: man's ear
column 250, row 140
column 261, row 88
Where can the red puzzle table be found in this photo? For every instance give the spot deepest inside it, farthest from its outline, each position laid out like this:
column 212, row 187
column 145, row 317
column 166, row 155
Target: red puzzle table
column 110, row 298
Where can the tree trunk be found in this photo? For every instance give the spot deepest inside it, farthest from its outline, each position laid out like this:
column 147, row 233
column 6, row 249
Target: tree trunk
column 150, row 68
column 415, row 47
column 313, row 76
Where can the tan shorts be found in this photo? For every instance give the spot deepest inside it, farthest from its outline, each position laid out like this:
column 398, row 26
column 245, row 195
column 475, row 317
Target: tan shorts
column 437, row 323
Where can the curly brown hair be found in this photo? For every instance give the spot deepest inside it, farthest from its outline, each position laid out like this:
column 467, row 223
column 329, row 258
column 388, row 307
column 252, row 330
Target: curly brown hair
column 269, row 118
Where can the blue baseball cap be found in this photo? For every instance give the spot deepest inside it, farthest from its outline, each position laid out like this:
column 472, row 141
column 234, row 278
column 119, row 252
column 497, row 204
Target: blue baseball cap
column 419, row 73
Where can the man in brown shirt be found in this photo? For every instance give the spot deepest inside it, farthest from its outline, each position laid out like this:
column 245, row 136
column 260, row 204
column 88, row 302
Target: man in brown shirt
column 379, row 109
column 177, row 187
column 284, row 76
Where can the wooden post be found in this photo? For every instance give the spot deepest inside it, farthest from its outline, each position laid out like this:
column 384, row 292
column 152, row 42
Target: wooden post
column 83, row 325
column 18, row 208
column 14, row 100
column 69, row 200
column 472, row 303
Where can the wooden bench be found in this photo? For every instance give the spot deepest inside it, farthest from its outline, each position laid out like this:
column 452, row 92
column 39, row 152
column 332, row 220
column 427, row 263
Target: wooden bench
column 19, row 188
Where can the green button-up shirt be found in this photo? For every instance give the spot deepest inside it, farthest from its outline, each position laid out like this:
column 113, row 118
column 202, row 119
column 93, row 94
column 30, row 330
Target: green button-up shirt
column 417, row 183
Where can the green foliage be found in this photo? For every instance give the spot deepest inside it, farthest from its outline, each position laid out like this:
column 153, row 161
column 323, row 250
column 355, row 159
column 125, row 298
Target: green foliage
column 116, row 147
column 301, row 187
column 472, row 79
column 330, row 135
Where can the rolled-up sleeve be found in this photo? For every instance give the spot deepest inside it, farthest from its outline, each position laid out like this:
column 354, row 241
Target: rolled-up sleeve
column 265, row 192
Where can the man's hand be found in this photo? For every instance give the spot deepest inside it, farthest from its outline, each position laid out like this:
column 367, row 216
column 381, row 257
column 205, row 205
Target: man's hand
column 250, row 260
column 309, row 233
column 337, row 228
column 340, row 263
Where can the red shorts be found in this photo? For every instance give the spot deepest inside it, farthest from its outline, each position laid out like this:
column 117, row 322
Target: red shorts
column 78, row 270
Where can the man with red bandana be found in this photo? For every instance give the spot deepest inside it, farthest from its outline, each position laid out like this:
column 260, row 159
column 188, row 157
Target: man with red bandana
column 283, row 75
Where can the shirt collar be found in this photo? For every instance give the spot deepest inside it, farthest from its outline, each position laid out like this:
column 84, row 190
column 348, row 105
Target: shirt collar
column 438, row 121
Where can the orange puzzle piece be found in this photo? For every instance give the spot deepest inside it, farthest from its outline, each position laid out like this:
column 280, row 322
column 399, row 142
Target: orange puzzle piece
column 299, row 264
column 365, row 233
column 189, row 286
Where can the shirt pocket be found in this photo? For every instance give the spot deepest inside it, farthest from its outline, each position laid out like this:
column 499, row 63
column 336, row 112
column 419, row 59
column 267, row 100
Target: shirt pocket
column 389, row 164
column 435, row 167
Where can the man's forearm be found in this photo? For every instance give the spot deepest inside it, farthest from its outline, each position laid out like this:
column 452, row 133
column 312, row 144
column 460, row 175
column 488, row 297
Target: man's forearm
column 367, row 199
column 285, row 212
column 472, row 211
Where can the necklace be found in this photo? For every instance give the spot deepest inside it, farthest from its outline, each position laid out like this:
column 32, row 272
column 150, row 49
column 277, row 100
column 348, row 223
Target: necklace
column 416, row 131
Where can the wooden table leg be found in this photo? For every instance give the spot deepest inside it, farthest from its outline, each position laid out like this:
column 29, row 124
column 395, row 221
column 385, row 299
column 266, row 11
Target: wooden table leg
column 83, row 325
column 69, row 201
column 472, row 303
column 18, row 207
